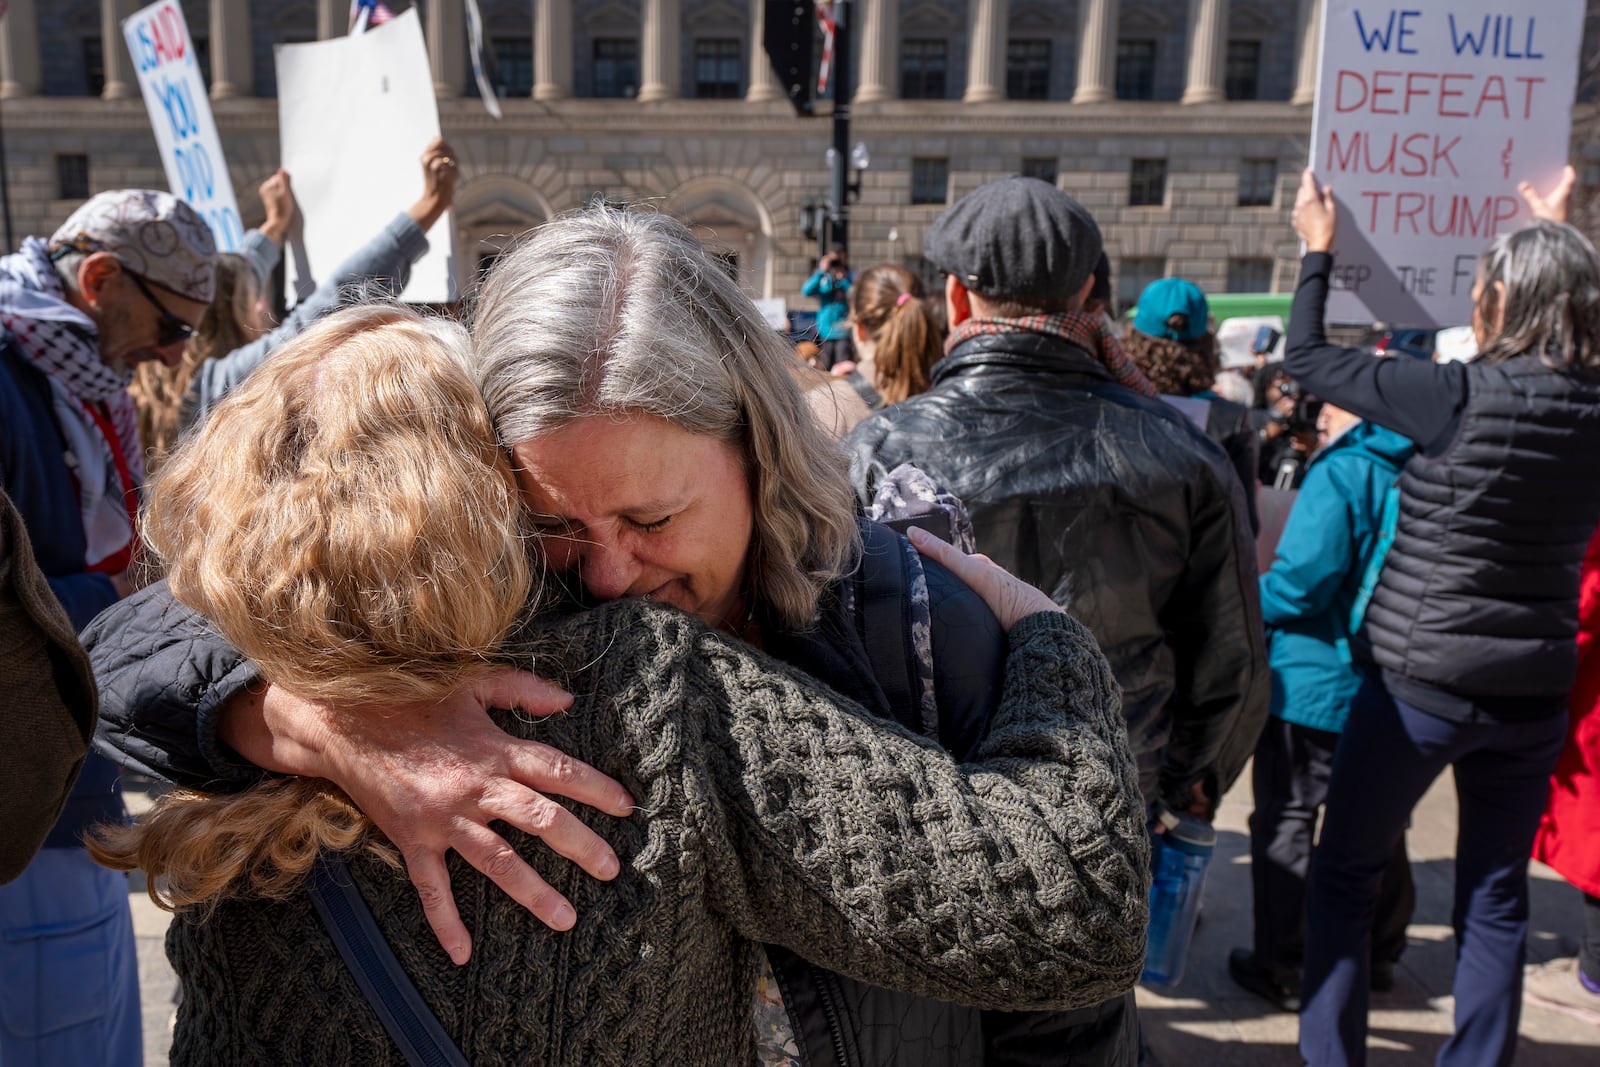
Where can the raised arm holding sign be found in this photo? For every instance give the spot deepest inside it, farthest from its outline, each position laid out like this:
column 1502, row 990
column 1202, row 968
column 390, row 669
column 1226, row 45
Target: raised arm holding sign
column 1424, row 121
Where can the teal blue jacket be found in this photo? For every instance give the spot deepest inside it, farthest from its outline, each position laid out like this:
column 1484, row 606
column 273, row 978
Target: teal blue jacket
column 833, row 317
column 1308, row 593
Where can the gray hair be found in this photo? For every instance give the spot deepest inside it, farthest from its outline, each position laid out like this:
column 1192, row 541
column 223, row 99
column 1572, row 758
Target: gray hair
column 617, row 313
column 1551, row 305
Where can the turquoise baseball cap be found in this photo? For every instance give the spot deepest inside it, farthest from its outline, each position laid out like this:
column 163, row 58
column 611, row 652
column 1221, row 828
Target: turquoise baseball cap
column 1163, row 299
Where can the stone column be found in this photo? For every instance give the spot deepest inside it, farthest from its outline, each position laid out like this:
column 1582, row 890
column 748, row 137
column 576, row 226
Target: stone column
column 987, row 30
column 447, row 47
column 764, row 83
column 552, row 49
column 1208, row 46
column 19, row 50
column 333, row 19
column 232, row 71
column 121, row 84
column 879, row 49
column 1308, row 38
column 1097, row 52
column 659, row 58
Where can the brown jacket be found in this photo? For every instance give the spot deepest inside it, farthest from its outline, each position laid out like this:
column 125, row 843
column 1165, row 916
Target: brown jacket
column 47, row 700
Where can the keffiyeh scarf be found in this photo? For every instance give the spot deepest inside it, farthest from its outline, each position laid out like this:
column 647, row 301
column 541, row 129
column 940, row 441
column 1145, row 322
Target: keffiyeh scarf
column 1088, row 332
column 90, row 400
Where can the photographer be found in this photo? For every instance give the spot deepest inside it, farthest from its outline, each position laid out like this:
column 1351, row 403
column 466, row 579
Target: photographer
column 831, row 286
column 1287, row 425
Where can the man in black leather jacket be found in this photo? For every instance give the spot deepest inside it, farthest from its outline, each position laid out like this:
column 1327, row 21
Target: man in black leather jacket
column 1084, row 484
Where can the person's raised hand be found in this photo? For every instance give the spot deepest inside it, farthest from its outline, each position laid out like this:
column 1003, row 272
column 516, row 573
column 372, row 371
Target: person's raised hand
column 439, row 173
column 277, row 199
column 1315, row 218
column 434, row 776
column 1555, row 205
column 1009, row 597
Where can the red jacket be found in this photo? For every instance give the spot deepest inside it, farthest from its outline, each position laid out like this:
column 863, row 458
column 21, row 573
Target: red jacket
column 1569, row 833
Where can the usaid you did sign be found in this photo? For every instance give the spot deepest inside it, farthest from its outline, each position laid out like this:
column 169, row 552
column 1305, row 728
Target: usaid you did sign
column 180, row 112
column 1428, row 114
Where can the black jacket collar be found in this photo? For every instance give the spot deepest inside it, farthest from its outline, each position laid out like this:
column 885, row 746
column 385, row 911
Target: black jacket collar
column 1035, row 353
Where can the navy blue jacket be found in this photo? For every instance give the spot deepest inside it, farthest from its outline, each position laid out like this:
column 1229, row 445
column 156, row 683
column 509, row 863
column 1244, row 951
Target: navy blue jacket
column 35, row 475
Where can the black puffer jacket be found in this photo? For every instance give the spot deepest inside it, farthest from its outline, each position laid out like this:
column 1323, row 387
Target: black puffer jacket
column 165, row 673
column 1119, row 508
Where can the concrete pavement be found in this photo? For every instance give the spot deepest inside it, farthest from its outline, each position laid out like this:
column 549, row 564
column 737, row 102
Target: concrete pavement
column 1207, row 1021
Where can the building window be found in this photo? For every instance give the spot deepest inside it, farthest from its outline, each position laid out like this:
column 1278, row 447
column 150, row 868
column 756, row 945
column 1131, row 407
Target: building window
column 1133, row 274
column 1027, row 70
column 930, row 180
column 1250, row 275
column 513, row 59
column 616, row 67
column 202, row 57
column 94, row 66
column 1241, row 79
column 922, row 69
column 1147, row 183
column 1136, row 70
column 1041, row 167
column 717, row 68
column 1258, row 181
column 72, row 176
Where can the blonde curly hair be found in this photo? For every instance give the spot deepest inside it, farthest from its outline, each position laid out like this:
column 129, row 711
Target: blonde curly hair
column 348, row 521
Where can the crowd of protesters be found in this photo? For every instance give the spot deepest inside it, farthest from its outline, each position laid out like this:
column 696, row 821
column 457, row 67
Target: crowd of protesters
column 836, row 789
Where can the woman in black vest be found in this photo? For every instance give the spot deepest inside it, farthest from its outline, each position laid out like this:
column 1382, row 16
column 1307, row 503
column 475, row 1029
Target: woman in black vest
column 1470, row 636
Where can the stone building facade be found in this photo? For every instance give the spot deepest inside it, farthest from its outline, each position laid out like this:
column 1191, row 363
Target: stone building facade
column 1181, row 123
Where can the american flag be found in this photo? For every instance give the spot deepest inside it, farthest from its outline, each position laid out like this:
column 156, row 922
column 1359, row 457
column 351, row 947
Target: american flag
column 365, row 14
column 826, row 21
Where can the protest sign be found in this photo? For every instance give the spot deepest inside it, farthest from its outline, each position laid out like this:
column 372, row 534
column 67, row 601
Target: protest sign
column 354, row 114
column 180, row 112
column 1426, row 119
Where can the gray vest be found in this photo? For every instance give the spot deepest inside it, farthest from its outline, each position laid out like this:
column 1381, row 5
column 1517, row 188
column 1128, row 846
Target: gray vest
column 1479, row 595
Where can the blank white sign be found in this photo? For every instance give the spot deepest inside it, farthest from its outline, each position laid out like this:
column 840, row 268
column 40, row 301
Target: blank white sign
column 354, row 114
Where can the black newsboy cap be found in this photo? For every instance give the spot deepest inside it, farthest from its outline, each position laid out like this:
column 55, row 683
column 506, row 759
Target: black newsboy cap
column 1016, row 239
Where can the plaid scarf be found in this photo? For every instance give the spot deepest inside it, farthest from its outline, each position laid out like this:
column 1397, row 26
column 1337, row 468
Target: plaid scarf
column 1086, row 331
column 90, row 400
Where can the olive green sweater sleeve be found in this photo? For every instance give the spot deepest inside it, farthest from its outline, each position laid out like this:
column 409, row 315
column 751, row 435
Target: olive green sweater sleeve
column 1015, row 881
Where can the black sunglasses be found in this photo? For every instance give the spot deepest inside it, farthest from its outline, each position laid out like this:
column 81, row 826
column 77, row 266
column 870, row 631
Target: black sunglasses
column 173, row 329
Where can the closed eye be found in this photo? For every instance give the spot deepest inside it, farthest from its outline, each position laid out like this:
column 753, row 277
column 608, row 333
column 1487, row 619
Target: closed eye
column 650, row 527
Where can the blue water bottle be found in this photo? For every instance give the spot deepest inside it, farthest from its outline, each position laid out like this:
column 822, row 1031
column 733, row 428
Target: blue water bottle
column 1178, row 860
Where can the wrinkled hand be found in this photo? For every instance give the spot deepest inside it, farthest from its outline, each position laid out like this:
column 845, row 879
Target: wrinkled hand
column 1554, row 205
column 439, row 174
column 1315, row 217
column 1009, row 597
column 277, row 198
column 433, row 776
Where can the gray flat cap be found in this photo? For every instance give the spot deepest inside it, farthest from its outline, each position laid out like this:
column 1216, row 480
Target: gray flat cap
column 1016, row 239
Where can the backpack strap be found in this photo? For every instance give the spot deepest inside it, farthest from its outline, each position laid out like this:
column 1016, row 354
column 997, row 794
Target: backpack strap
column 894, row 599
column 1388, row 525
column 405, row 1015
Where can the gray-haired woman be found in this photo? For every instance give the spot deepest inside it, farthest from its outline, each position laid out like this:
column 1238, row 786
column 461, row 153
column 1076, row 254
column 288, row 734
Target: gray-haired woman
column 664, row 448
column 1470, row 635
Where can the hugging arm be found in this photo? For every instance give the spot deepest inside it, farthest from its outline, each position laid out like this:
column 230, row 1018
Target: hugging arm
column 1014, row 881
column 175, row 694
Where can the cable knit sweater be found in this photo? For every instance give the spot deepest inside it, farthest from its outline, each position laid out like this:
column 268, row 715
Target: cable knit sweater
column 770, row 810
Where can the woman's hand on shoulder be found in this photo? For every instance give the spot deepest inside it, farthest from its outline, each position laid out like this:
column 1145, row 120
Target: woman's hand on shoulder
column 434, row 776
column 1009, row 597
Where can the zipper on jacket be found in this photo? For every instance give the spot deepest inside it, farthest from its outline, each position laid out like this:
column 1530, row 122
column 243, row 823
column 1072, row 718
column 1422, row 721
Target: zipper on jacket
column 824, row 981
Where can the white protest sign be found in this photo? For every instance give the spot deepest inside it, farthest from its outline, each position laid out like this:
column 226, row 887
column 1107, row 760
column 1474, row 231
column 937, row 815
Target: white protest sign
column 354, row 114
column 1427, row 117
column 180, row 113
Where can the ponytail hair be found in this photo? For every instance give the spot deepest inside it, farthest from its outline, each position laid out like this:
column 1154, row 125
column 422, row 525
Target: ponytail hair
column 889, row 304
